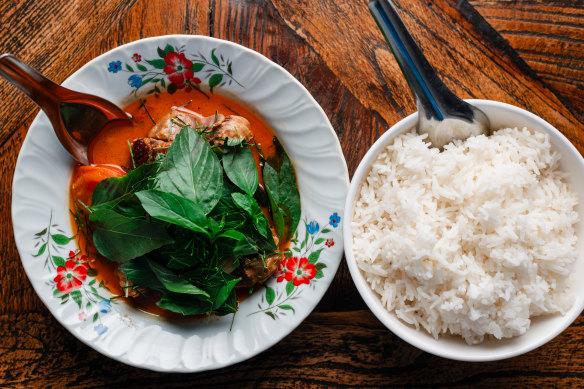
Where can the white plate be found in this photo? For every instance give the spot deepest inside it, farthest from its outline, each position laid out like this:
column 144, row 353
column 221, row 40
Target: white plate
column 42, row 226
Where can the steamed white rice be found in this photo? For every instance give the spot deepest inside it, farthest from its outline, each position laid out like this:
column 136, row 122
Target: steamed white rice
column 474, row 240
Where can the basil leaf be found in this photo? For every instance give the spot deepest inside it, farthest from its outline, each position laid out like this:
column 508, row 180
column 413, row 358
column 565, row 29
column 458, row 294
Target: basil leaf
column 230, row 305
column 117, row 193
column 185, row 304
column 138, row 271
column 289, row 195
column 234, row 243
column 216, row 282
column 271, row 183
column 113, row 232
column 174, row 209
column 173, row 282
column 241, row 169
column 192, row 170
column 249, row 205
column 284, row 197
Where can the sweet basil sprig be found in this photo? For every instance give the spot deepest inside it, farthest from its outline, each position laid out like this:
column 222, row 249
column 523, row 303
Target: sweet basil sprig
column 180, row 225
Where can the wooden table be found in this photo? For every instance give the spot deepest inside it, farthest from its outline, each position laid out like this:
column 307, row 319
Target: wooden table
column 521, row 52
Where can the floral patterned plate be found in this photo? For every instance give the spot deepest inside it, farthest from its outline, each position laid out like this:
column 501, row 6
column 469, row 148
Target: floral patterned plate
column 63, row 278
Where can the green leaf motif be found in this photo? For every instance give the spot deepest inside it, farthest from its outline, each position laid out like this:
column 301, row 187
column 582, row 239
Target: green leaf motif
column 215, row 80
column 325, row 230
column 95, row 316
column 61, row 239
column 41, row 250
column 319, row 274
column 229, row 67
column 214, row 57
column 319, row 241
column 289, row 287
column 287, row 307
column 58, row 261
column 41, row 233
column 161, row 53
column 169, row 49
column 130, row 69
column 320, row 266
column 157, row 63
column 197, row 67
column 270, row 314
column 313, row 257
column 270, row 295
column 141, row 67
column 76, row 295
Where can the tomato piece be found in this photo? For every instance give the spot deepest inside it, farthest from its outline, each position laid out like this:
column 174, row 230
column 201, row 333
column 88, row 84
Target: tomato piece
column 86, row 178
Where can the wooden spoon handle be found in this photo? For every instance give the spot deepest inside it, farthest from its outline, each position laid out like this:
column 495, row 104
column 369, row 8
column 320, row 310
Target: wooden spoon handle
column 36, row 86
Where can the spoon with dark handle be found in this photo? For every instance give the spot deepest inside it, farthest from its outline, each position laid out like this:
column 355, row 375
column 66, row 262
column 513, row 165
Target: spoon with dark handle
column 441, row 114
column 77, row 118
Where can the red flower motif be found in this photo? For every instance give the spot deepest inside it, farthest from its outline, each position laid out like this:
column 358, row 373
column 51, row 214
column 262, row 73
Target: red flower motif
column 137, row 57
column 281, row 272
column 329, row 243
column 190, row 83
column 70, row 276
column 297, row 270
column 80, row 260
column 178, row 68
column 82, row 316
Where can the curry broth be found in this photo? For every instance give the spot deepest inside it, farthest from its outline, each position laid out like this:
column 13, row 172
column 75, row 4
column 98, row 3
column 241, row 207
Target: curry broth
column 112, row 147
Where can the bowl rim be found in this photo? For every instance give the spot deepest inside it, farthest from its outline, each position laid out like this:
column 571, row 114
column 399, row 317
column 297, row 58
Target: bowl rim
column 388, row 319
column 286, row 330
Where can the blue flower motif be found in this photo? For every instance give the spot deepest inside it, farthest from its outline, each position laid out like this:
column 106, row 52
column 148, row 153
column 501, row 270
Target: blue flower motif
column 135, row 81
column 100, row 329
column 312, row 227
column 335, row 220
column 115, row 66
column 104, row 306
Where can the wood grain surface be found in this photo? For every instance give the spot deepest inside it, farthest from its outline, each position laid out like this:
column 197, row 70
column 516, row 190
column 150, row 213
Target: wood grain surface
column 524, row 52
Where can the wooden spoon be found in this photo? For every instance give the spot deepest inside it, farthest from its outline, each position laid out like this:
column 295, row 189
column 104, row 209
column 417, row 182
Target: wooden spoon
column 77, row 118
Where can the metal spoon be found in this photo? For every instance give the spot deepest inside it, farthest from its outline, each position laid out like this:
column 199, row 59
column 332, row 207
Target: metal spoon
column 77, row 118
column 441, row 114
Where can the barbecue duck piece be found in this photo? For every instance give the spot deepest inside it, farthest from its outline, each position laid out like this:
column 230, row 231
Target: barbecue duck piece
column 216, row 129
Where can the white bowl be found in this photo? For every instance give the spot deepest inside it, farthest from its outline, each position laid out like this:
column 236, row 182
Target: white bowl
column 40, row 201
column 543, row 328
